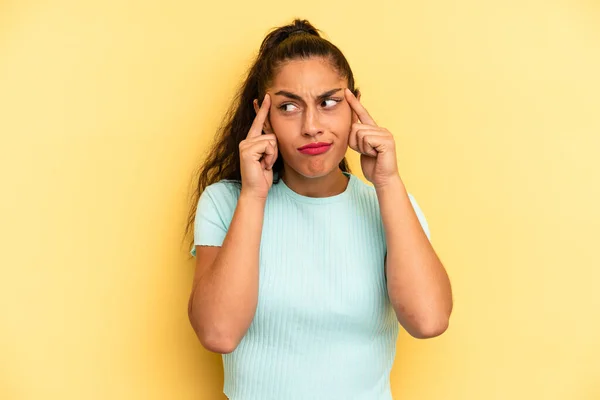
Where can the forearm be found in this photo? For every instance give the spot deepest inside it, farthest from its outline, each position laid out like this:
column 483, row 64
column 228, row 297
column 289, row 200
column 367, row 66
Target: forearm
column 417, row 283
column 225, row 298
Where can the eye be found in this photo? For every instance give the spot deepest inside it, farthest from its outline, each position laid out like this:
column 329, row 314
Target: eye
column 287, row 107
column 329, row 103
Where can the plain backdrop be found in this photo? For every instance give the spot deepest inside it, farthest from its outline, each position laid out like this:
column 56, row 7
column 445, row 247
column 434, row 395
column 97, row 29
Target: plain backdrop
column 107, row 108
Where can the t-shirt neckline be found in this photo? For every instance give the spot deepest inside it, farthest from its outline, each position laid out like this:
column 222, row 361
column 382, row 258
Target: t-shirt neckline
column 319, row 200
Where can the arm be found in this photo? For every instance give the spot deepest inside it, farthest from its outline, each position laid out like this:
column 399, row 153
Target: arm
column 225, row 288
column 417, row 283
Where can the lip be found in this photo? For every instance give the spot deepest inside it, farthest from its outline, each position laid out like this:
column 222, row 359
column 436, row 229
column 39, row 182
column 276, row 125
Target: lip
column 313, row 145
column 315, row 148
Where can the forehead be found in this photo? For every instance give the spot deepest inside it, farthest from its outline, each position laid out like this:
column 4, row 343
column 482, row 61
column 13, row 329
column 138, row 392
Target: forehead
column 313, row 74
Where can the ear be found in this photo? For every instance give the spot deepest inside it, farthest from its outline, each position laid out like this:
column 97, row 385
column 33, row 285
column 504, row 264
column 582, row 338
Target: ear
column 256, row 107
column 267, row 125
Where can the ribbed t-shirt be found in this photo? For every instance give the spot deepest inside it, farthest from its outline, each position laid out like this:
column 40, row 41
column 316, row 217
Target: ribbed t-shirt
column 324, row 327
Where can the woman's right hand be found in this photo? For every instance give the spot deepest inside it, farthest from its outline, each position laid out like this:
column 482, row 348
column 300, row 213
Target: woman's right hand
column 258, row 153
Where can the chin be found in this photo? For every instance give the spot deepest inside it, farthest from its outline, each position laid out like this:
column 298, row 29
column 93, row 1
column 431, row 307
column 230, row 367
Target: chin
column 317, row 171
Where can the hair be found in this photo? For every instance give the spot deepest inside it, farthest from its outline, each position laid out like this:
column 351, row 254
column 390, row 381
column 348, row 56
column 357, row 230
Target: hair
column 298, row 40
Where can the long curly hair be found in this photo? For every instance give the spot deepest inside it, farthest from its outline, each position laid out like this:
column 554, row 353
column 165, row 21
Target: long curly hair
column 298, row 40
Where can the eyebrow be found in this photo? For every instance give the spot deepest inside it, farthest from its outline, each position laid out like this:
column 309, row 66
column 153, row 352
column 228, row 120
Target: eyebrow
column 296, row 97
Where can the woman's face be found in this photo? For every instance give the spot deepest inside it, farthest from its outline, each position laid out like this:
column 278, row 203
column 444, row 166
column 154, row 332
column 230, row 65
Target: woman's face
column 308, row 106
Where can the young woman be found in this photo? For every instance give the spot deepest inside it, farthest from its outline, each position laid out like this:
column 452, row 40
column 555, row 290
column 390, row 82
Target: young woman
column 303, row 272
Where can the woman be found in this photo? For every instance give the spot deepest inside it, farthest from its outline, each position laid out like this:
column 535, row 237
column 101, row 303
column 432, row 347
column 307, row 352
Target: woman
column 304, row 272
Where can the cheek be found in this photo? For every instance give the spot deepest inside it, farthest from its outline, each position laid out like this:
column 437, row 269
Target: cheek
column 286, row 131
column 341, row 123
column 284, row 127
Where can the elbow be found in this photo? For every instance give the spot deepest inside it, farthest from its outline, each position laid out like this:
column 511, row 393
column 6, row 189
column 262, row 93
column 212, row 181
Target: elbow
column 430, row 329
column 213, row 340
column 218, row 344
column 432, row 324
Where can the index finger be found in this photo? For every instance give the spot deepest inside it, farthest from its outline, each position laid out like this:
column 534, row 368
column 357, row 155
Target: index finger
column 358, row 108
column 259, row 121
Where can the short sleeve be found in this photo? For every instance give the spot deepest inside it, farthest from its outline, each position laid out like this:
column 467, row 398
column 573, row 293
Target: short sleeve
column 420, row 216
column 213, row 215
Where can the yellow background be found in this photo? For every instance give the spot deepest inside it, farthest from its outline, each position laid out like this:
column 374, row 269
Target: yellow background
column 106, row 108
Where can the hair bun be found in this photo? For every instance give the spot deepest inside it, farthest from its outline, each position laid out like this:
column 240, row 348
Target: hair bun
column 300, row 26
column 297, row 31
column 279, row 35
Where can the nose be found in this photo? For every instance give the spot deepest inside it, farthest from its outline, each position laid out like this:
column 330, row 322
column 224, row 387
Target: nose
column 311, row 125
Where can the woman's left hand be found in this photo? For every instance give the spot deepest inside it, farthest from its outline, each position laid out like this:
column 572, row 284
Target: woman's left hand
column 375, row 144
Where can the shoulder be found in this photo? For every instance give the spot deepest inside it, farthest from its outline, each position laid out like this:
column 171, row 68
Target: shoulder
column 367, row 195
column 364, row 200
column 364, row 192
column 367, row 191
column 220, row 197
column 227, row 190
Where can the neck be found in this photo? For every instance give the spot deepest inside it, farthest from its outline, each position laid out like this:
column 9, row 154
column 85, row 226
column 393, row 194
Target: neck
column 328, row 185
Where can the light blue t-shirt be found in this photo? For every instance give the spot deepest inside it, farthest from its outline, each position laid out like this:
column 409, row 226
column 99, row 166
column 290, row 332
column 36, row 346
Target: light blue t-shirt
column 324, row 327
